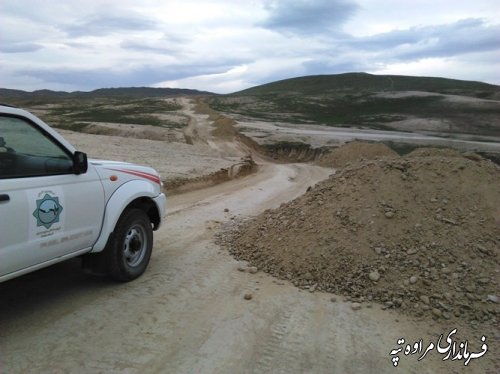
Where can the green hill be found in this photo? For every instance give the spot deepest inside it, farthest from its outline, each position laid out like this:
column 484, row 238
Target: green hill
column 359, row 82
column 128, row 105
column 360, row 100
column 19, row 97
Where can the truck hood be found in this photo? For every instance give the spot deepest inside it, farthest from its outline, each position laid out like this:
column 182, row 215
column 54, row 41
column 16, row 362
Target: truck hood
column 125, row 171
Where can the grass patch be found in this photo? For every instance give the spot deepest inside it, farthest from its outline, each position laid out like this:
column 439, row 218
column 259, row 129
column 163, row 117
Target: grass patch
column 358, row 82
column 73, row 114
column 351, row 100
column 360, row 110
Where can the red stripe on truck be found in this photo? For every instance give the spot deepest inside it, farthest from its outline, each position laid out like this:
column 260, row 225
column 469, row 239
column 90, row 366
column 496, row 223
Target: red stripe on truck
column 151, row 177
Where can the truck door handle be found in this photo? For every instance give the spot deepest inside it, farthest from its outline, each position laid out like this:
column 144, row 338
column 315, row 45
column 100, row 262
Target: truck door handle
column 4, row 197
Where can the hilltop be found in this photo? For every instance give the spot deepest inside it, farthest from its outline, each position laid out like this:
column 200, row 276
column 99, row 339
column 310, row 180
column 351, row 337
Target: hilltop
column 365, row 101
column 19, row 96
column 324, row 84
column 449, row 109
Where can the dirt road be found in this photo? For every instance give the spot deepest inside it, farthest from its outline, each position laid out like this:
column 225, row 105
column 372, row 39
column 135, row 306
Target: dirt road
column 187, row 313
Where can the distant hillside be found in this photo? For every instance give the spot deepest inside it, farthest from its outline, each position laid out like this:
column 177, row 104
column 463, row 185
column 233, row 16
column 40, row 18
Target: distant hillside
column 358, row 82
column 384, row 102
column 129, row 105
column 9, row 95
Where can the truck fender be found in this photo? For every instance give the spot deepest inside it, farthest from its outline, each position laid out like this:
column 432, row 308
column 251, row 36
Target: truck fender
column 116, row 205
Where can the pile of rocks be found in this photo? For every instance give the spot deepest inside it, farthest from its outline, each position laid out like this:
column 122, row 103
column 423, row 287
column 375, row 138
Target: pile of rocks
column 420, row 234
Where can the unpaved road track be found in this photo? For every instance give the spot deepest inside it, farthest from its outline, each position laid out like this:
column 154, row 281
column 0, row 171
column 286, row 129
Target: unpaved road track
column 187, row 313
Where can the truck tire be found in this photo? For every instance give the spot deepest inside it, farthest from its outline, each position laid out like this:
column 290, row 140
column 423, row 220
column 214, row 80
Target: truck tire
column 129, row 250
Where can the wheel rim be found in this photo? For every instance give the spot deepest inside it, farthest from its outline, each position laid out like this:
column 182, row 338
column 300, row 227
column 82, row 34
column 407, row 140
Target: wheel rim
column 135, row 245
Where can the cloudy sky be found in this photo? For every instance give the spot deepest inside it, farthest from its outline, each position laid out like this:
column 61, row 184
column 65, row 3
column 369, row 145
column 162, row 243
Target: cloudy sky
column 228, row 45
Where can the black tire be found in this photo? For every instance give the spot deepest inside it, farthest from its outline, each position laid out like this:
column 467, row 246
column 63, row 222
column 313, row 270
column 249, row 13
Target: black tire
column 129, row 250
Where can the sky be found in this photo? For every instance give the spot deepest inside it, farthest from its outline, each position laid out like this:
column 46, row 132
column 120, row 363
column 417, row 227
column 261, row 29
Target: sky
column 224, row 46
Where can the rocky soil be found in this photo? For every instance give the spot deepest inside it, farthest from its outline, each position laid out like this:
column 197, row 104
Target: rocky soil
column 183, row 167
column 420, row 234
column 355, row 151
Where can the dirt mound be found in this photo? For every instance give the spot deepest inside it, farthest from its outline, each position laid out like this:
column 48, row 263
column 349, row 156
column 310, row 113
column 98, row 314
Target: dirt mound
column 246, row 166
column 224, row 128
column 355, row 151
column 421, row 234
column 434, row 152
column 292, row 152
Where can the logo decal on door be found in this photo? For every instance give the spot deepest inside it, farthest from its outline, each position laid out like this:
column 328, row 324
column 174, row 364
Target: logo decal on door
column 47, row 211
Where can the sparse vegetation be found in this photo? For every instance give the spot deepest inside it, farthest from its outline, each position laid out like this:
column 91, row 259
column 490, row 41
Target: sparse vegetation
column 130, row 105
column 358, row 82
column 368, row 101
column 76, row 115
column 137, row 112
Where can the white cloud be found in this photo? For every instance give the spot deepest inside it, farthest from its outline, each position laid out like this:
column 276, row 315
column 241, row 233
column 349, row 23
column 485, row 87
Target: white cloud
column 381, row 16
column 229, row 81
column 306, row 16
column 228, row 45
column 485, row 68
column 242, row 76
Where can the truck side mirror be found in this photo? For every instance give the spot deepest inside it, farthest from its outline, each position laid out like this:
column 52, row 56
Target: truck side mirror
column 80, row 163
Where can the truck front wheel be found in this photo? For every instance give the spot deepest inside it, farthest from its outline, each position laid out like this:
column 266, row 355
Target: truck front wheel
column 129, row 250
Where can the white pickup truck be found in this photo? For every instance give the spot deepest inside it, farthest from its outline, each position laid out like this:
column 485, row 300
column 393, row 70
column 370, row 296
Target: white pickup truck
column 55, row 205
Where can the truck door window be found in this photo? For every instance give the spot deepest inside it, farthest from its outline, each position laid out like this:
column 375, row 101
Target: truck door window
column 25, row 151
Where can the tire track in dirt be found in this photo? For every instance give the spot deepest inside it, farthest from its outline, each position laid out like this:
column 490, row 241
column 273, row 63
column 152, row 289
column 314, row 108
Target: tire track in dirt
column 277, row 350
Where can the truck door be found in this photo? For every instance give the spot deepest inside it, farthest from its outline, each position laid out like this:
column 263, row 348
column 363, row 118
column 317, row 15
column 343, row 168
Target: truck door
column 46, row 211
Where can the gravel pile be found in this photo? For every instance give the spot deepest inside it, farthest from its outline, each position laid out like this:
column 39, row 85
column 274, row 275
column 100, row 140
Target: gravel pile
column 420, row 234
